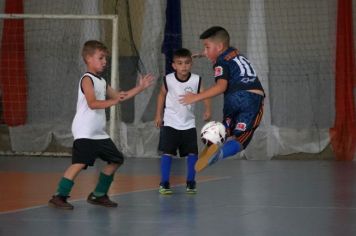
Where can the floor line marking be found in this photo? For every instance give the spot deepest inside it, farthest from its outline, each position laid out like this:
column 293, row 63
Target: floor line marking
column 114, row 195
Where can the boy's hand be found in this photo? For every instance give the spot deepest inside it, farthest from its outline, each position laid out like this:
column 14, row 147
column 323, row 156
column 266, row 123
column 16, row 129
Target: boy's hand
column 207, row 115
column 158, row 121
column 122, row 95
column 145, row 81
column 187, row 98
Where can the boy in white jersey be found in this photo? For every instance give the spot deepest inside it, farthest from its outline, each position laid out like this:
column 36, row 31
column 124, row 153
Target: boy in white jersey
column 178, row 124
column 90, row 138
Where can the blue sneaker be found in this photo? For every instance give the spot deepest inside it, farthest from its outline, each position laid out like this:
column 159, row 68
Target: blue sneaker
column 208, row 156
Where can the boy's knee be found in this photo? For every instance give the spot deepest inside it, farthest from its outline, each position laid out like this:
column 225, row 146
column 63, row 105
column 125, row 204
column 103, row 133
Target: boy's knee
column 119, row 162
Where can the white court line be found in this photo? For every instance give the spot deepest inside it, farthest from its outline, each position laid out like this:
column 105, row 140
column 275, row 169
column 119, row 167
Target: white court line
column 113, row 195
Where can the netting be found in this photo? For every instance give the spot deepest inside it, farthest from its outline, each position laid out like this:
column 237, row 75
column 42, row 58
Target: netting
column 52, row 51
column 290, row 43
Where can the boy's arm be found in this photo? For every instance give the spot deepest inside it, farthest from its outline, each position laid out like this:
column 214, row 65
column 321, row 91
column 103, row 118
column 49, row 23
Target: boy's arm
column 89, row 93
column 144, row 82
column 218, row 88
column 207, row 106
column 160, row 104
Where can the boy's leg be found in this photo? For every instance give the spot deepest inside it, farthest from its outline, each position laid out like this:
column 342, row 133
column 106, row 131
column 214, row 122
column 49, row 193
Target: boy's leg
column 108, row 152
column 105, row 179
column 166, row 162
column 188, row 147
column 168, row 144
column 241, row 126
column 66, row 183
column 191, row 160
column 100, row 194
column 191, row 184
column 59, row 199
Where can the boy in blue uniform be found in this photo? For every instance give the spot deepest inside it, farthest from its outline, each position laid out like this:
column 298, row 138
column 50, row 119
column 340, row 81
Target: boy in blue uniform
column 176, row 121
column 243, row 95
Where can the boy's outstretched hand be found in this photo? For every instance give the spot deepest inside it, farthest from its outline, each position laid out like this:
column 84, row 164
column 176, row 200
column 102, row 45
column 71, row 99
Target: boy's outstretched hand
column 187, row 98
column 145, row 81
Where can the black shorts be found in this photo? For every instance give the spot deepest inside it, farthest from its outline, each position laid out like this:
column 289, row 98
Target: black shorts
column 85, row 151
column 171, row 140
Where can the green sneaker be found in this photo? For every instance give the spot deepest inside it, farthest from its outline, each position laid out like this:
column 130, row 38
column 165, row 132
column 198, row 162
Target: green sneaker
column 164, row 189
column 191, row 187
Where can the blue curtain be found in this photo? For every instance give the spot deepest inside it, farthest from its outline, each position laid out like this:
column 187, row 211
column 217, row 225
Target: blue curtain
column 172, row 32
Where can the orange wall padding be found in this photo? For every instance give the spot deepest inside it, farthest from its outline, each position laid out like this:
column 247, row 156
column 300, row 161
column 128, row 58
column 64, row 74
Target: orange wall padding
column 343, row 134
column 12, row 67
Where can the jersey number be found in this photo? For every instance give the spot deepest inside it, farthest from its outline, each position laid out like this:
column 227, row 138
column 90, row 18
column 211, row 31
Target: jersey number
column 245, row 67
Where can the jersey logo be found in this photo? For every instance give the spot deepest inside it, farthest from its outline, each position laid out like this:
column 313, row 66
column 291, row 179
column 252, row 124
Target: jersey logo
column 241, row 126
column 248, row 80
column 188, row 90
column 218, row 71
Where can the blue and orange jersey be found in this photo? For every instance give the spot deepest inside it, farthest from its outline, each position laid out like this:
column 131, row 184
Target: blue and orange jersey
column 237, row 70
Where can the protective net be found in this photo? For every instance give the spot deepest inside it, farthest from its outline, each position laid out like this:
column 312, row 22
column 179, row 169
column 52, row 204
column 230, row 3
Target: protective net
column 290, row 43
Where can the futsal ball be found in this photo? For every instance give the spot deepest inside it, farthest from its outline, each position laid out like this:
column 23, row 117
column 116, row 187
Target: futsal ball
column 213, row 132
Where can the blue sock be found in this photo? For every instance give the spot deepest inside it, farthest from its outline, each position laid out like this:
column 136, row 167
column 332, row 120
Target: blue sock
column 230, row 148
column 191, row 160
column 165, row 167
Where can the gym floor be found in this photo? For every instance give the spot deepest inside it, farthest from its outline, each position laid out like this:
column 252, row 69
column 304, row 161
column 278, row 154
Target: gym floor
column 235, row 197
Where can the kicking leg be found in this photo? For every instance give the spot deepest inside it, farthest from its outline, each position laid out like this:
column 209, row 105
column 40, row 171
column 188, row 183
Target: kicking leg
column 213, row 153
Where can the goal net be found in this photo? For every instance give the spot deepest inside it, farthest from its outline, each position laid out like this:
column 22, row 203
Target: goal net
column 41, row 66
column 290, row 43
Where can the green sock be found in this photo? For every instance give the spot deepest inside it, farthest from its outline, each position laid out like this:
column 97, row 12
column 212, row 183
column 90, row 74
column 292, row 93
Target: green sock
column 103, row 185
column 64, row 187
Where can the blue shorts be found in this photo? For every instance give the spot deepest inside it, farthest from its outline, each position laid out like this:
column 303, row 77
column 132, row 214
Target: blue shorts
column 243, row 112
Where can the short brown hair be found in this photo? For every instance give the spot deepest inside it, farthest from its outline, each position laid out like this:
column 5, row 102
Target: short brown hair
column 90, row 47
column 182, row 52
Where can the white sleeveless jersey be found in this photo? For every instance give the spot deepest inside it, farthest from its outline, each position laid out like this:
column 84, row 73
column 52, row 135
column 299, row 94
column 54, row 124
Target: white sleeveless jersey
column 176, row 115
column 90, row 123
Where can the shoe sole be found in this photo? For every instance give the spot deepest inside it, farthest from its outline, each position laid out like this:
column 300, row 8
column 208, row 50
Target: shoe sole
column 166, row 193
column 191, row 192
column 100, row 204
column 203, row 160
column 59, row 207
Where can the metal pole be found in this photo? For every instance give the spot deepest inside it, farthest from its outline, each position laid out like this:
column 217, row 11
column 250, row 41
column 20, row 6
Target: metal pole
column 63, row 17
column 114, row 110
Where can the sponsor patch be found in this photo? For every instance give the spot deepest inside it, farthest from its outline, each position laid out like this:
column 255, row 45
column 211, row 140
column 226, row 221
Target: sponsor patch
column 218, row 71
column 228, row 121
column 241, row 126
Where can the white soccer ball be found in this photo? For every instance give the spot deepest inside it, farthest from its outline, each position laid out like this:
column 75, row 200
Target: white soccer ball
column 213, row 132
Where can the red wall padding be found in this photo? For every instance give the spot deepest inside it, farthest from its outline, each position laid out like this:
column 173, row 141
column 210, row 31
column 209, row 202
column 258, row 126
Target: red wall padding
column 12, row 67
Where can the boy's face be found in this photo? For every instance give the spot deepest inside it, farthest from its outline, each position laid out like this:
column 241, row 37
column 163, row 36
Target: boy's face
column 97, row 61
column 212, row 49
column 182, row 65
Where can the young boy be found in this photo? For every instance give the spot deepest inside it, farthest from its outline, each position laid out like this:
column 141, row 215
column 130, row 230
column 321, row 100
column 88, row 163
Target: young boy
column 178, row 124
column 90, row 138
column 243, row 95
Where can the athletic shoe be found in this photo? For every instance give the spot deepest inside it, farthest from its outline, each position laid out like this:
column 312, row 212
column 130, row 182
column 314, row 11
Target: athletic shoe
column 191, row 187
column 102, row 201
column 60, row 202
column 208, row 156
column 164, row 189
